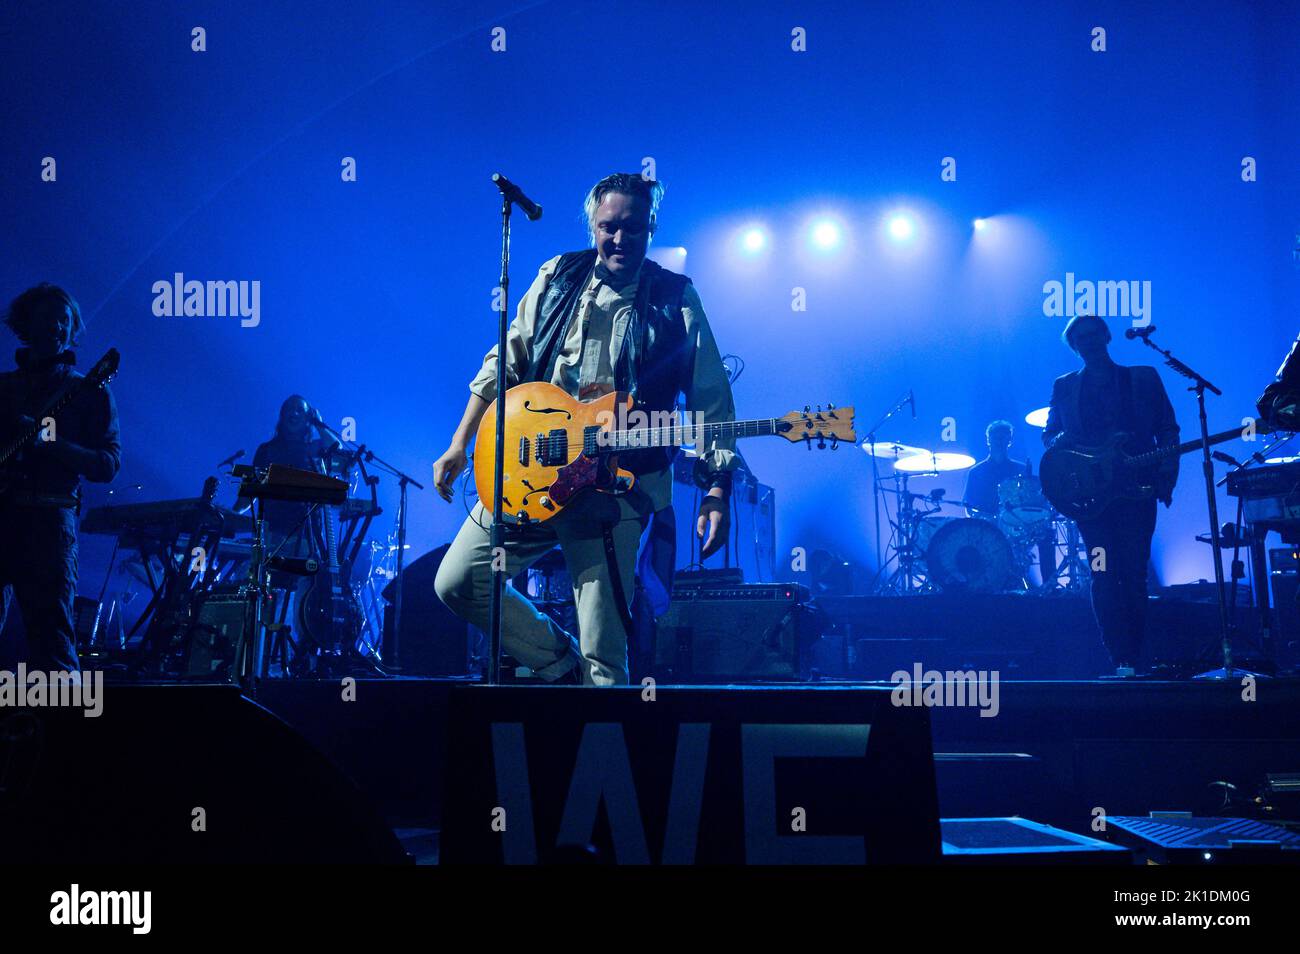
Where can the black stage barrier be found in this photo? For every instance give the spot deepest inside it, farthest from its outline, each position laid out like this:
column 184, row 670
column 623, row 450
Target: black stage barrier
column 133, row 784
column 692, row 776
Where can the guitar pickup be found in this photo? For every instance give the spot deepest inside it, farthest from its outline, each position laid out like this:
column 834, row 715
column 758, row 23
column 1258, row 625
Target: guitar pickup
column 553, row 448
column 523, row 451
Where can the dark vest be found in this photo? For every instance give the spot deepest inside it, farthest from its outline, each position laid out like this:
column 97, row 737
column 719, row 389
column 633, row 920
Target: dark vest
column 655, row 363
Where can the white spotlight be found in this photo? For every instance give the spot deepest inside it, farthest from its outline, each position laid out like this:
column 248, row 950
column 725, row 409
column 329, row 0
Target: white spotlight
column 901, row 227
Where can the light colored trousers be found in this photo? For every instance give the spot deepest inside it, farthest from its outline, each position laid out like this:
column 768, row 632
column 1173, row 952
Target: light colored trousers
column 464, row 583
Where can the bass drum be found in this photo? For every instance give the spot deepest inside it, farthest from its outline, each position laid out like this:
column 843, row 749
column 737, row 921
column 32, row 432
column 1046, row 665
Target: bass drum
column 926, row 528
column 971, row 556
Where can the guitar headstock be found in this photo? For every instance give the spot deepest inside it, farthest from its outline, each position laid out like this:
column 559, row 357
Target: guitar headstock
column 834, row 424
column 105, row 368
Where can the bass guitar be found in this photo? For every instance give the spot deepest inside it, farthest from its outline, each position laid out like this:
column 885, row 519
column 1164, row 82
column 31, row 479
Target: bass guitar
column 557, row 447
column 1081, row 482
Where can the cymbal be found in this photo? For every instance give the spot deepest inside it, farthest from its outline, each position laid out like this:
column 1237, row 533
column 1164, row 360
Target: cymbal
column 1037, row 418
column 934, row 463
column 891, row 449
column 1282, row 460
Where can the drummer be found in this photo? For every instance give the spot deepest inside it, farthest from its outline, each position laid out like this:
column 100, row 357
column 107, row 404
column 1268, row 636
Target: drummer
column 982, row 480
column 982, row 492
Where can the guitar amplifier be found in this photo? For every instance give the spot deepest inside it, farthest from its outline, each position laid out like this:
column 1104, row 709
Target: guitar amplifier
column 217, row 636
column 742, row 633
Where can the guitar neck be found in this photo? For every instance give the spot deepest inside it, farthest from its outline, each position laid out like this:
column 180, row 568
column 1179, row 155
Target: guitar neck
column 99, row 375
column 32, row 432
column 678, row 434
column 1178, row 450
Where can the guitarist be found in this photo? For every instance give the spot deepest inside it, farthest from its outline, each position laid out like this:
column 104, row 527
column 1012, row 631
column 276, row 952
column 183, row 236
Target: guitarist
column 1089, row 407
column 39, row 492
column 596, row 321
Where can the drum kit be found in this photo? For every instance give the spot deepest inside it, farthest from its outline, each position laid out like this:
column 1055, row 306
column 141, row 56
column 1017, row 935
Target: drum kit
column 977, row 550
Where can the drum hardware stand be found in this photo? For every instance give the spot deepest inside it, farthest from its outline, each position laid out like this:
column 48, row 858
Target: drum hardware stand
column 907, row 526
column 1200, row 386
column 876, row 492
column 1074, row 568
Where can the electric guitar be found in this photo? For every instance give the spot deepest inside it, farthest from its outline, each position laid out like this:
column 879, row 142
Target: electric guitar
column 557, row 447
column 1081, row 482
column 97, row 377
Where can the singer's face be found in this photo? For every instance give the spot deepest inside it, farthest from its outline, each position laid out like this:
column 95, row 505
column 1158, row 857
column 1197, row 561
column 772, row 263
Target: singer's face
column 50, row 330
column 622, row 228
column 293, row 418
column 1090, row 341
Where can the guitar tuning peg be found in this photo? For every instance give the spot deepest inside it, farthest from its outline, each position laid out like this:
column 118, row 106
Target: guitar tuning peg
column 807, row 439
column 821, row 443
column 830, row 406
column 807, row 409
column 835, row 442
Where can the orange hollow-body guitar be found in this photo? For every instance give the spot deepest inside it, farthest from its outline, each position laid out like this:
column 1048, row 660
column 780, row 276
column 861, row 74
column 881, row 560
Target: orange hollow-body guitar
column 557, row 447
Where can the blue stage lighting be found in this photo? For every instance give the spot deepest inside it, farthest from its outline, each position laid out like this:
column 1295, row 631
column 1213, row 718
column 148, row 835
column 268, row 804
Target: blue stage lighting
column 980, row 224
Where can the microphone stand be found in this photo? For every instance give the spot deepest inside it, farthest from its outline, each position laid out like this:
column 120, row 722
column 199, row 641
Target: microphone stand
column 1200, row 385
column 510, row 195
column 497, row 541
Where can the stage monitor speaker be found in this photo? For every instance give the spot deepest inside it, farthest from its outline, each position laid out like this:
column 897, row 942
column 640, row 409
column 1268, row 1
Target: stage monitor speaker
column 1181, row 838
column 983, row 841
column 175, row 774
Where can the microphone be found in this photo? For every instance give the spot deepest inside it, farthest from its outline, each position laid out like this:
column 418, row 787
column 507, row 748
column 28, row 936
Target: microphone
column 1143, row 333
column 516, row 195
column 911, row 397
column 231, row 459
column 298, row 566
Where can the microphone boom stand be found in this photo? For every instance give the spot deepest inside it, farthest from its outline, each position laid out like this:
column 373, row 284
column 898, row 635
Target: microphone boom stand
column 1200, row 385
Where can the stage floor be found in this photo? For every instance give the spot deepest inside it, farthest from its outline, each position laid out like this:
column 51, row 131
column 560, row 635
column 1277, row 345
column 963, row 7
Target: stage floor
column 1056, row 752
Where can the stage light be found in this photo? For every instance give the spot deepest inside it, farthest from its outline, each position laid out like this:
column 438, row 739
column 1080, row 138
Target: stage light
column 980, row 224
column 826, row 234
column 901, row 227
column 753, row 240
